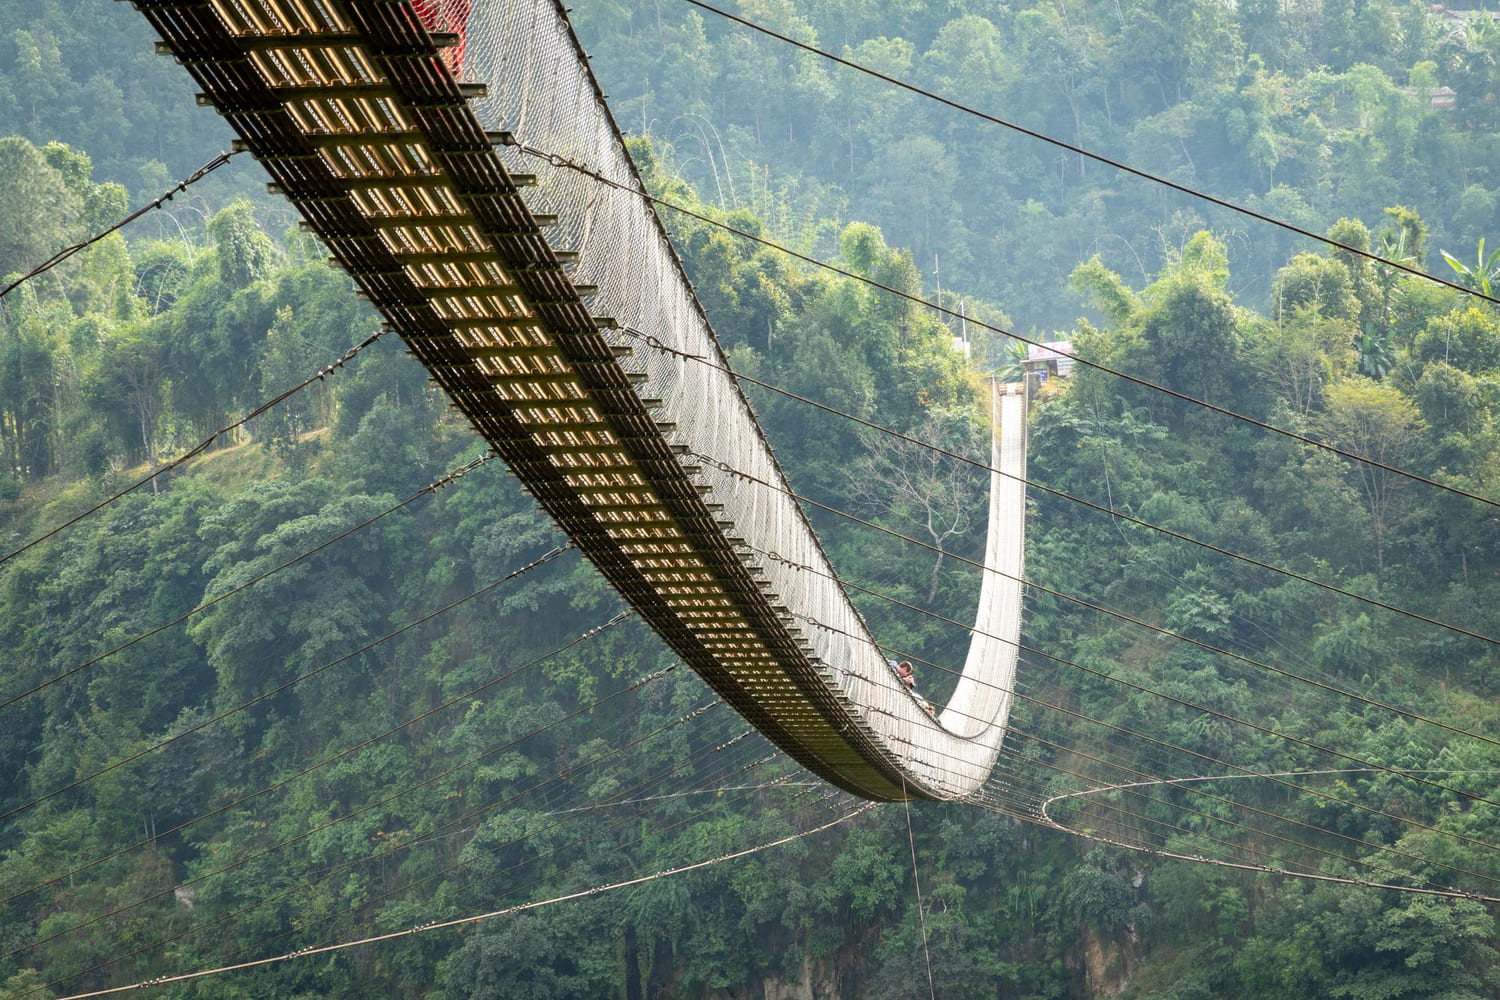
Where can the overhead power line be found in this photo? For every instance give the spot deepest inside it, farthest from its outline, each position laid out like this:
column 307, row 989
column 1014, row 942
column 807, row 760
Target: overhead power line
column 656, row 344
column 558, row 160
column 1090, row 155
column 66, row 252
column 201, row 446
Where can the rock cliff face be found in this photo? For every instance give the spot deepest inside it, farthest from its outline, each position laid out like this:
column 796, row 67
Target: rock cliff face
column 818, row 981
column 836, row 978
column 1108, row 966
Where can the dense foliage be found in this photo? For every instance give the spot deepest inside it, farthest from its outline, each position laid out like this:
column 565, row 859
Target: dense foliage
column 1310, row 111
column 137, row 349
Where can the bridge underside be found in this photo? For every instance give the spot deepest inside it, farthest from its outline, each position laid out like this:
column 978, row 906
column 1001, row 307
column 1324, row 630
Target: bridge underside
column 353, row 111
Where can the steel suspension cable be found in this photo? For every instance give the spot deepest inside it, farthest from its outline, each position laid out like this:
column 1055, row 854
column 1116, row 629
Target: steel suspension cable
column 1100, row 608
column 201, row 446
column 655, row 344
column 151, row 206
column 561, row 161
column 431, row 487
column 1090, row 155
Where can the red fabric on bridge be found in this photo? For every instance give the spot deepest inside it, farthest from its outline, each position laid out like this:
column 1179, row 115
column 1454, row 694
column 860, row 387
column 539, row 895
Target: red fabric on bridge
column 447, row 15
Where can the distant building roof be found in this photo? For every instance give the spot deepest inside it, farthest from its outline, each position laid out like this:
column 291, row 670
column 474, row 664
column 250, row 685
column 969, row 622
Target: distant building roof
column 1056, row 357
column 1457, row 18
column 1438, row 98
column 1055, row 351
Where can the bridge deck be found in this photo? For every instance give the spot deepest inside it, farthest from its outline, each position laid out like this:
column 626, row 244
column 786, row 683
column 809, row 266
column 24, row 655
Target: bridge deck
column 351, row 109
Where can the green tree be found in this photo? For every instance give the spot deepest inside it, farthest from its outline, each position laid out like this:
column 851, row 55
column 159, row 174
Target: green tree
column 1320, row 284
column 1466, row 338
column 1478, row 276
column 53, row 209
column 1376, row 422
column 243, row 252
column 285, row 361
column 1301, row 354
column 127, row 386
column 1192, row 339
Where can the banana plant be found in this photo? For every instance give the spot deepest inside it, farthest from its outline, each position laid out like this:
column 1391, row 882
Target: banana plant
column 1012, row 355
column 1485, row 269
column 1376, row 356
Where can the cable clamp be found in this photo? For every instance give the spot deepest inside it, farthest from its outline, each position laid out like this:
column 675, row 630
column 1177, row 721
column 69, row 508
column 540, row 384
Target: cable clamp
column 730, row 743
column 654, row 677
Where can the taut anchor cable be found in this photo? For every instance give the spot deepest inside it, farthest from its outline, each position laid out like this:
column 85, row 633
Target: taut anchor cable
column 66, row 252
column 432, row 487
column 201, row 446
column 915, row 299
column 1096, row 157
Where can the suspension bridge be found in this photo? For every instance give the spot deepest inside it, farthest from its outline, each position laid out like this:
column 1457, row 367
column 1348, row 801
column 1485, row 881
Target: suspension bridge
column 556, row 316
column 463, row 167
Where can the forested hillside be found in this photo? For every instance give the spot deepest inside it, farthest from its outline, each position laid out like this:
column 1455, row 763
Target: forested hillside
column 1310, row 111
column 312, row 685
